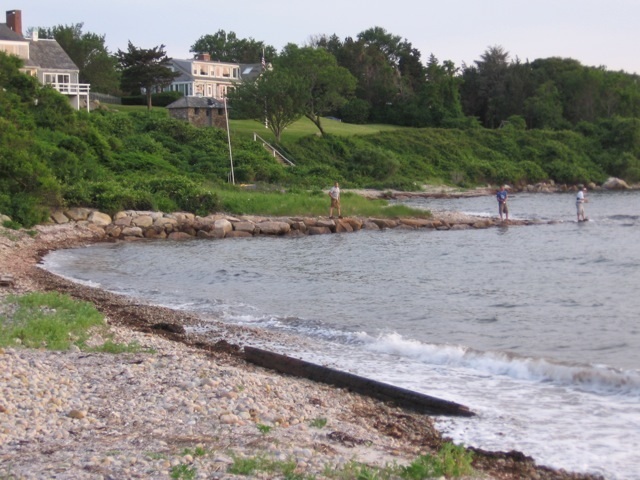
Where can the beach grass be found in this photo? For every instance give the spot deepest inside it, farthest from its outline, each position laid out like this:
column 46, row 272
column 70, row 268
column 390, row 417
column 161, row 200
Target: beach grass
column 55, row 321
column 313, row 203
column 49, row 320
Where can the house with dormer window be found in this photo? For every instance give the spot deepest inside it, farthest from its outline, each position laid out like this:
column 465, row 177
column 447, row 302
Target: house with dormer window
column 205, row 84
column 44, row 59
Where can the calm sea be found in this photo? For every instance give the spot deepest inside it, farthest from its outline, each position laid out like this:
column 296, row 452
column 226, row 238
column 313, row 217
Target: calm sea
column 535, row 328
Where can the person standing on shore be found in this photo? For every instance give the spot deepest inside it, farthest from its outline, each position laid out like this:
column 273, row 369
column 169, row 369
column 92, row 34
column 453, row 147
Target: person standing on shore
column 581, row 199
column 501, row 196
column 334, row 193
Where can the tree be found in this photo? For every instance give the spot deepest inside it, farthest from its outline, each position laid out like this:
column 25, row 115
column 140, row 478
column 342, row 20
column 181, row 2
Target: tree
column 88, row 51
column 327, row 85
column 277, row 96
column 227, row 47
column 146, row 69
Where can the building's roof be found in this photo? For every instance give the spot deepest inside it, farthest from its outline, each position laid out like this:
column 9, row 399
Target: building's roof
column 250, row 71
column 196, row 102
column 7, row 34
column 49, row 54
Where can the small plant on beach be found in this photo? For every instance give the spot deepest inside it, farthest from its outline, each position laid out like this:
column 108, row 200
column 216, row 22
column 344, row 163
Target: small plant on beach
column 50, row 320
column 264, row 429
column 261, row 463
column 245, row 465
column 111, row 347
column 318, row 422
column 360, row 471
column 183, row 472
column 450, row 461
column 155, row 455
column 199, row 451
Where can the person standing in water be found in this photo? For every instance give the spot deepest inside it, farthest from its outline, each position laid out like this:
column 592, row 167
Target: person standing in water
column 581, row 199
column 501, row 196
column 334, row 193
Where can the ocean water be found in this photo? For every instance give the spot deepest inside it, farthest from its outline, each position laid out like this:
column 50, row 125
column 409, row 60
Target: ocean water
column 535, row 328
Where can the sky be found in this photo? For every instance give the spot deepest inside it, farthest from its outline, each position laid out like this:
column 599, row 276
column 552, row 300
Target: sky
column 594, row 32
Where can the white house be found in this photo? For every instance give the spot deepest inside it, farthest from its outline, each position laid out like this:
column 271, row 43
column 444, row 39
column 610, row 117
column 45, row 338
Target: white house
column 44, row 59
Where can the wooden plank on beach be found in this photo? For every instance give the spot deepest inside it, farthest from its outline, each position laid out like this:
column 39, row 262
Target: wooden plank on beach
column 365, row 386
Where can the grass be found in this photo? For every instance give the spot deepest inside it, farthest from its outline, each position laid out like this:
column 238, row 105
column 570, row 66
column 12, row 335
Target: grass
column 55, row 322
column 451, row 461
column 318, row 422
column 48, row 320
column 183, row 472
column 244, row 129
column 315, row 203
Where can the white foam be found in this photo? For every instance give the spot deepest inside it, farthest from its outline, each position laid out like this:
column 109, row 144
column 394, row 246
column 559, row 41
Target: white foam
column 596, row 379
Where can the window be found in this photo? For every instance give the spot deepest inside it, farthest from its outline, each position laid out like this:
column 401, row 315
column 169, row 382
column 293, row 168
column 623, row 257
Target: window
column 57, row 78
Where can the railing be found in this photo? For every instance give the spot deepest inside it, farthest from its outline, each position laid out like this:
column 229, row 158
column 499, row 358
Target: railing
column 276, row 153
column 72, row 88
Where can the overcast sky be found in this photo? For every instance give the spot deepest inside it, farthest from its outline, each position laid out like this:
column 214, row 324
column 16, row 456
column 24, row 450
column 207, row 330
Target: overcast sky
column 594, row 32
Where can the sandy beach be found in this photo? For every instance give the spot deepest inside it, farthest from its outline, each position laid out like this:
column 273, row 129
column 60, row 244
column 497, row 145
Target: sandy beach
column 191, row 404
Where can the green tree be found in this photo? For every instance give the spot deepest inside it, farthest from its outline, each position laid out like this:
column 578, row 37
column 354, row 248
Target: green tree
column 227, row 47
column 278, row 97
column 145, row 69
column 544, row 109
column 327, row 85
column 88, row 51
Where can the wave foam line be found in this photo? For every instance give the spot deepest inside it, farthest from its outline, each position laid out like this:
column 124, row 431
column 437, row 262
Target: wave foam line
column 597, row 379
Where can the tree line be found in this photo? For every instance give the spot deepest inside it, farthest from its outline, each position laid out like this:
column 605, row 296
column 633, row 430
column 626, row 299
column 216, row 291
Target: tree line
column 383, row 79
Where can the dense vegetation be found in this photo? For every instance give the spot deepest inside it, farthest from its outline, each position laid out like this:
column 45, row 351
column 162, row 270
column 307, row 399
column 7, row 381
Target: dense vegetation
column 52, row 156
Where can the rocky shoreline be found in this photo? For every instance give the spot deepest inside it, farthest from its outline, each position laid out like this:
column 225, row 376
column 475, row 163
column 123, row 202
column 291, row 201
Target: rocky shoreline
column 194, row 404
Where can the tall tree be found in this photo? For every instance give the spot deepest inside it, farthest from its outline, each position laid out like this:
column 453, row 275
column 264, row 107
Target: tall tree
column 227, row 47
column 327, row 85
column 278, row 97
column 145, row 69
column 88, row 51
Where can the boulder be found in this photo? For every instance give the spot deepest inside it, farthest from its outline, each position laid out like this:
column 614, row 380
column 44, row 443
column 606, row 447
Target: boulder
column 244, row 226
column 238, row 234
column 164, row 221
column 482, row 224
column 179, row 236
column 416, row 222
column 142, row 221
column 613, row 183
column 368, row 225
column 325, row 222
column 99, row 218
column 342, row 226
column 318, row 230
column 123, row 221
column 355, row 223
column 385, row 223
column 223, row 224
column 132, row 232
column 78, row 214
column 155, row 232
column 274, row 228
column 59, row 217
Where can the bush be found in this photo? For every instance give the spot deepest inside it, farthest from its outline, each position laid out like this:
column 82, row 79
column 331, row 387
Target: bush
column 355, row 111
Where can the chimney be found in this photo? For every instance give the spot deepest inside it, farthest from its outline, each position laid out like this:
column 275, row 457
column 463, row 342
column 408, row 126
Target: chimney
column 205, row 57
column 14, row 21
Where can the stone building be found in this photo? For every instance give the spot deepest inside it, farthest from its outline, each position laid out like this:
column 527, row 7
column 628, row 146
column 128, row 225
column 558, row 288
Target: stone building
column 199, row 111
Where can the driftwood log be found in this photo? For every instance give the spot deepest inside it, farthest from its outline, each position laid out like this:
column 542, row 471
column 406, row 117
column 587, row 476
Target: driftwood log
column 365, row 386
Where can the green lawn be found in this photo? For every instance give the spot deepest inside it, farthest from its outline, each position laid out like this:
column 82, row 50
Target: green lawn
column 303, row 128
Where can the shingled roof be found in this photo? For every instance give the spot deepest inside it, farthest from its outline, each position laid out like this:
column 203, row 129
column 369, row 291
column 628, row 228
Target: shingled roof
column 196, row 102
column 49, row 54
column 7, row 34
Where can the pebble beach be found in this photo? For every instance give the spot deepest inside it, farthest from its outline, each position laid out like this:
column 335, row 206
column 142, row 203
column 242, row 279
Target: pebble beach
column 186, row 407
